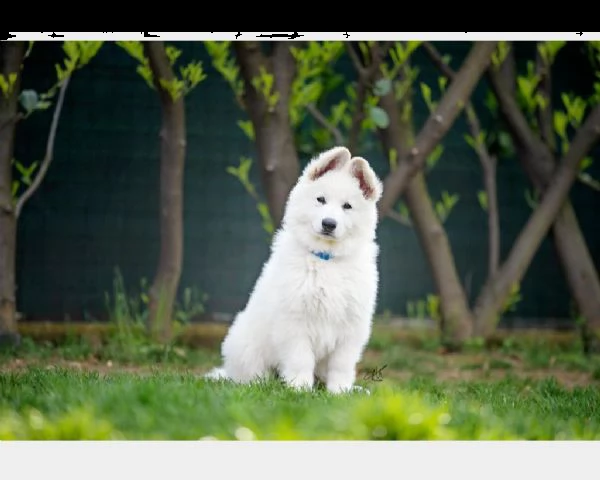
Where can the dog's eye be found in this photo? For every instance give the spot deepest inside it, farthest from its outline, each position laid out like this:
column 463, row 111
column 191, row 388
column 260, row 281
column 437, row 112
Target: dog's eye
column 346, row 206
column 321, row 200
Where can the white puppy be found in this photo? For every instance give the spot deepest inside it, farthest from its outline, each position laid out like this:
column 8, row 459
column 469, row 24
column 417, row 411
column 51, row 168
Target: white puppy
column 311, row 309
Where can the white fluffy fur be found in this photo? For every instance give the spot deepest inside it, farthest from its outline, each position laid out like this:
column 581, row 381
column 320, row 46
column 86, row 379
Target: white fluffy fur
column 308, row 317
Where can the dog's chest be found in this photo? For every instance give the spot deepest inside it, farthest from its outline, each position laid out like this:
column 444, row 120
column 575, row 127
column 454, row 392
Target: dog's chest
column 322, row 293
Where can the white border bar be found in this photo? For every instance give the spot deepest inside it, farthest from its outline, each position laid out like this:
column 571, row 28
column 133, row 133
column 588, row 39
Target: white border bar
column 303, row 36
column 298, row 460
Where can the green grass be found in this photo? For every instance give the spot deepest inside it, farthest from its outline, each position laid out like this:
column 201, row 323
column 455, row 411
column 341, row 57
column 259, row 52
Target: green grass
column 134, row 351
column 126, row 387
column 56, row 403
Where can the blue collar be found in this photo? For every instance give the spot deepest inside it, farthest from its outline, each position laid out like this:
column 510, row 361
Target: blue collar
column 322, row 255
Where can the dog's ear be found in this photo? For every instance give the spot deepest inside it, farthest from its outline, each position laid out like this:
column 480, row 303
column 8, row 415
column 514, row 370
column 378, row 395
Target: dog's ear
column 369, row 183
column 332, row 159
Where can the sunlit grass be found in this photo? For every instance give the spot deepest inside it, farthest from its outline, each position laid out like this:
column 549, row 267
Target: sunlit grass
column 58, row 404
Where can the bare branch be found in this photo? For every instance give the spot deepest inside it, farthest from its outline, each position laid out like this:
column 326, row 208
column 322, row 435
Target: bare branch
column 365, row 79
column 543, row 69
column 49, row 150
column 360, row 69
column 508, row 70
column 437, row 59
column 471, row 114
column 394, row 215
column 319, row 117
column 438, row 123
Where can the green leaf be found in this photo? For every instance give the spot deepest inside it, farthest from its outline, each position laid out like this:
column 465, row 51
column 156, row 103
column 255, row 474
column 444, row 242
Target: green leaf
column 42, row 105
column 434, row 156
column 575, row 107
column 382, row 87
column 426, row 92
column 338, row 112
column 379, row 117
column 15, row 188
column 500, row 54
column 470, row 140
column 442, row 82
column 267, row 223
column 586, row 163
column 247, row 128
column 560, row 121
column 491, row 102
column 20, row 167
column 531, row 199
column 364, row 49
column 483, row 199
column 549, row 50
column 29, row 100
column 4, row 86
column 540, row 100
column 505, row 141
column 244, row 168
column 173, row 54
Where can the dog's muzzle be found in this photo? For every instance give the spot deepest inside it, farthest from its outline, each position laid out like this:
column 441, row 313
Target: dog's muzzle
column 328, row 226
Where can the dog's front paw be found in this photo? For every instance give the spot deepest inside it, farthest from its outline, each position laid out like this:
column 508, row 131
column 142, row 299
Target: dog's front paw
column 301, row 382
column 339, row 388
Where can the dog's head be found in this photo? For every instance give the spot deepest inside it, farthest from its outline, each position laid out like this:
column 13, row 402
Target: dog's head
column 334, row 201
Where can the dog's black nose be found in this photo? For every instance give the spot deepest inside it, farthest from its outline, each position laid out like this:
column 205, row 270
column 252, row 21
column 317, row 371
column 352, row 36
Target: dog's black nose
column 328, row 224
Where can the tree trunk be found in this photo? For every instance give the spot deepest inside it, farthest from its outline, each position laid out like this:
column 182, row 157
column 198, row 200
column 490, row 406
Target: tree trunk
column 457, row 321
column 574, row 255
column 172, row 157
column 538, row 163
column 456, row 316
column 495, row 293
column 11, row 57
column 274, row 137
column 489, row 180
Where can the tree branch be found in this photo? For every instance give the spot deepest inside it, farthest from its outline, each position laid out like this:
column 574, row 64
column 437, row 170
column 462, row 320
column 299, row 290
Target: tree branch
column 360, row 69
column 508, row 70
column 438, row 61
column 394, row 215
column 49, row 150
column 438, row 123
column 488, row 165
column 543, row 69
column 320, row 118
column 517, row 124
column 366, row 76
